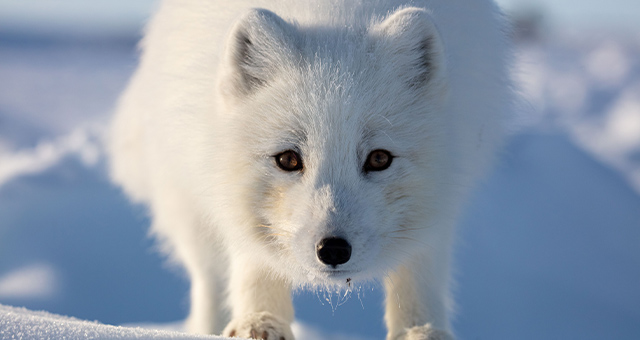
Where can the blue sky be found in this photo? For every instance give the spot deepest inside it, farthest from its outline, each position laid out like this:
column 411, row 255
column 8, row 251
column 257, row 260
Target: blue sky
column 127, row 16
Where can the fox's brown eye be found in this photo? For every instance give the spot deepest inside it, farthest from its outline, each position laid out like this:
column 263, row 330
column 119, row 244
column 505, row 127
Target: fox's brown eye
column 289, row 161
column 378, row 160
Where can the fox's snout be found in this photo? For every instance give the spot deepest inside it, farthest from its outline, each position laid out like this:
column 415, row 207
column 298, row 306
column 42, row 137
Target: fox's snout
column 333, row 251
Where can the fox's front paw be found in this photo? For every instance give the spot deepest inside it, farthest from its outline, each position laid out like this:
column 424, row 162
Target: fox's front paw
column 262, row 325
column 425, row 332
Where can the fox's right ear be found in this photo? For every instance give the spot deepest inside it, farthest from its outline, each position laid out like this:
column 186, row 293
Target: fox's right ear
column 260, row 46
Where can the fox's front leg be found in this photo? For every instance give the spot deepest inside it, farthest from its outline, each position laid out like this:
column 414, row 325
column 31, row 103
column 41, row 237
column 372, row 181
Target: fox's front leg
column 260, row 303
column 417, row 300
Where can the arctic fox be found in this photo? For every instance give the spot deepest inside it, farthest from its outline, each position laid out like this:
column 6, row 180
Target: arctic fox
column 290, row 144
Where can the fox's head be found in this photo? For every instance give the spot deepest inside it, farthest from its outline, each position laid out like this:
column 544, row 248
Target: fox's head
column 333, row 158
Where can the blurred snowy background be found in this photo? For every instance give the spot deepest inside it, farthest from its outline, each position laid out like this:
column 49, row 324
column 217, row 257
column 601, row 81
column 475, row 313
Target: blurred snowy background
column 548, row 249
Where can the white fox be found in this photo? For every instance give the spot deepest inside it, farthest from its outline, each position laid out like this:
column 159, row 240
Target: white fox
column 288, row 144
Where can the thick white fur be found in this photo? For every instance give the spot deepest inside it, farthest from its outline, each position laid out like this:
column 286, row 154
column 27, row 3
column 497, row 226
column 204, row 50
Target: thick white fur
column 196, row 132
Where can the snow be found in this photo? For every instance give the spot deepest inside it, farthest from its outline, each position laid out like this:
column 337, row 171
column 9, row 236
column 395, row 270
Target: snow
column 608, row 65
column 590, row 90
column 48, row 153
column 34, row 281
column 548, row 247
column 20, row 323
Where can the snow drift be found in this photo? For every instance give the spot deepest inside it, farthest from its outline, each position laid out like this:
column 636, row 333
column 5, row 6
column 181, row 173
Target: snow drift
column 21, row 323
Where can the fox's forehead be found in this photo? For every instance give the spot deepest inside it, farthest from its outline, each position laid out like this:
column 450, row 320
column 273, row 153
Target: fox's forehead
column 345, row 105
column 335, row 103
column 329, row 109
column 332, row 115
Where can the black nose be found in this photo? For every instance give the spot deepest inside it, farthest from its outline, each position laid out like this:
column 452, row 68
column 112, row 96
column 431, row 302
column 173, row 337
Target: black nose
column 334, row 251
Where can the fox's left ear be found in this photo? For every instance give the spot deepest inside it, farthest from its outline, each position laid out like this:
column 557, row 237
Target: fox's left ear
column 413, row 46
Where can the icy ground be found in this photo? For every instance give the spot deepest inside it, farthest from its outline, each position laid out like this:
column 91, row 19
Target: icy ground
column 548, row 249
